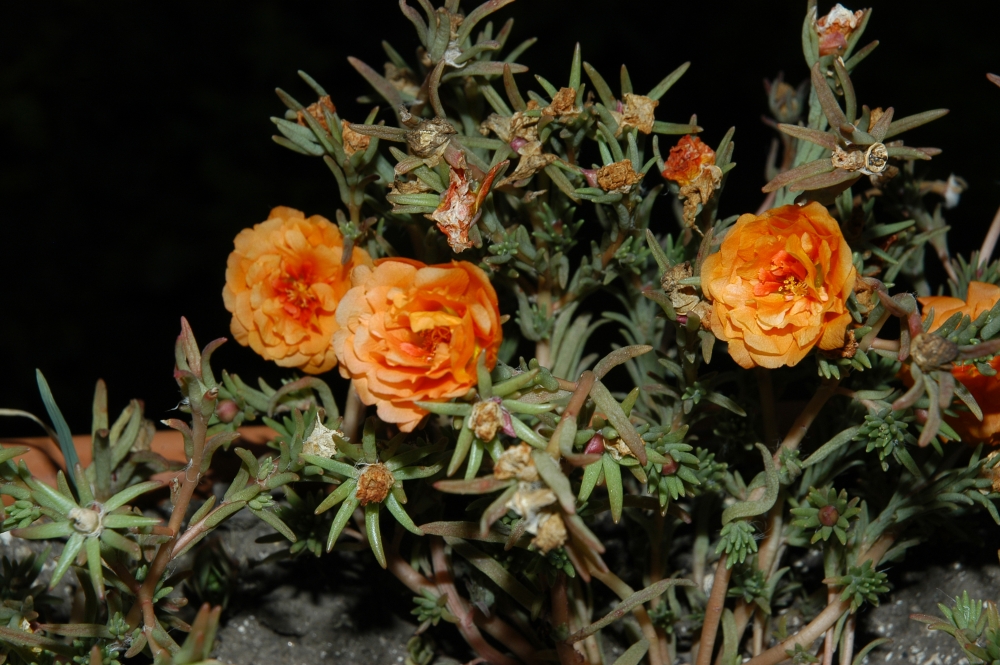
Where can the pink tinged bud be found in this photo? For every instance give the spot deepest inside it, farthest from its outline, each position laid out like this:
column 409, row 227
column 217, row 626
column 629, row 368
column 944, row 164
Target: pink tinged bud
column 595, row 446
column 828, row 516
column 619, row 107
column 670, row 467
column 227, row 410
column 517, row 143
column 506, row 426
column 591, row 176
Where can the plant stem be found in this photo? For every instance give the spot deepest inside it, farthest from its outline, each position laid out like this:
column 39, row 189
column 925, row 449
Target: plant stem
column 826, row 619
column 990, row 241
column 465, row 623
column 572, row 410
column 767, row 404
column 185, row 483
column 623, row 591
column 354, row 414
column 713, row 611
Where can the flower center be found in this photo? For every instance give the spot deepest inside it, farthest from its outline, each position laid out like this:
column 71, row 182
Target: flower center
column 294, row 289
column 786, row 276
column 425, row 342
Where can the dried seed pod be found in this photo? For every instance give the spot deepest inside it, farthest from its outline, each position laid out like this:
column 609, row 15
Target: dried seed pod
column 876, row 159
column 486, row 419
column 932, row 352
column 374, row 484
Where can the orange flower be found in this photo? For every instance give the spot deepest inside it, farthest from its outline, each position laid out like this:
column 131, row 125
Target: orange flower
column 411, row 332
column 687, row 160
column 283, row 283
column 986, row 389
column 778, row 286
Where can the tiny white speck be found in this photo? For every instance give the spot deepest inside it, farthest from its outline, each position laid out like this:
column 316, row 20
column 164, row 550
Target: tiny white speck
column 290, row 644
column 241, row 630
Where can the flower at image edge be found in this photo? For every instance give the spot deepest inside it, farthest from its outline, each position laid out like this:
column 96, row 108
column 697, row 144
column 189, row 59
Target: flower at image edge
column 410, row 332
column 985, row 389
column 778, row 286
column 284, row 280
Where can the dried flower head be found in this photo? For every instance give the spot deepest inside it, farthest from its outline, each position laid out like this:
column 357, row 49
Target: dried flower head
column 486, row 419
column 618, row 177
column 563, row 107
column 551, row 532
column 834, row 29
column 316, row 111
column 430, row 137
column 353, row 141
column 374, row 484
column 460, row 205
column 320, row 442
column 635, row 111
column 684, row 298
column 284, row 281
column 516, row 462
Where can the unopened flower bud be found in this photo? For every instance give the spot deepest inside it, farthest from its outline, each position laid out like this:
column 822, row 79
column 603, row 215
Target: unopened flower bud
column 828, row 516
column 227, row 410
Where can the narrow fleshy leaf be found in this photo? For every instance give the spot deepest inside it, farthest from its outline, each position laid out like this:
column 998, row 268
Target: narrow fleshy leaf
column 801, row 172
column 379, row 82
column 834, row 177
column 825, row 139
column 626, row 606
column 65, row 436
column 831, row 109
column 340, row 521
column 129, row 493
column 911, row 121
column 668, row 81
column 500, row 575
column 613, row 481
column 557, row 481
column 612, row 409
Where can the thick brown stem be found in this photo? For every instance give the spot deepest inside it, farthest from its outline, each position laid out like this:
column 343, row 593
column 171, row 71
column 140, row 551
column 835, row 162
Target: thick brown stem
column 568, row 653
column 465, row 623
column 826, row 619
column 847, row 641
column 713, row 612
column 798, row 430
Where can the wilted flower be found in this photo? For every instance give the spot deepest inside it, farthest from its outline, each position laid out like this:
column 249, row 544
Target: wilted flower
column 687, row 160
column 460, row 205
column 316, row 111
column 834, row 28
column 778, row 285
column 353, row 141
column 411, row 332
column 635, row 111
column 563, row 107
column 985, row 389
column 283, row 283
column 618, row 177
column 691, row 165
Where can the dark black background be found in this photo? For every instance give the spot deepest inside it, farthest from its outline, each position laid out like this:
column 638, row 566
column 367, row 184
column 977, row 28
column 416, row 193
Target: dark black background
column 134, row 145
